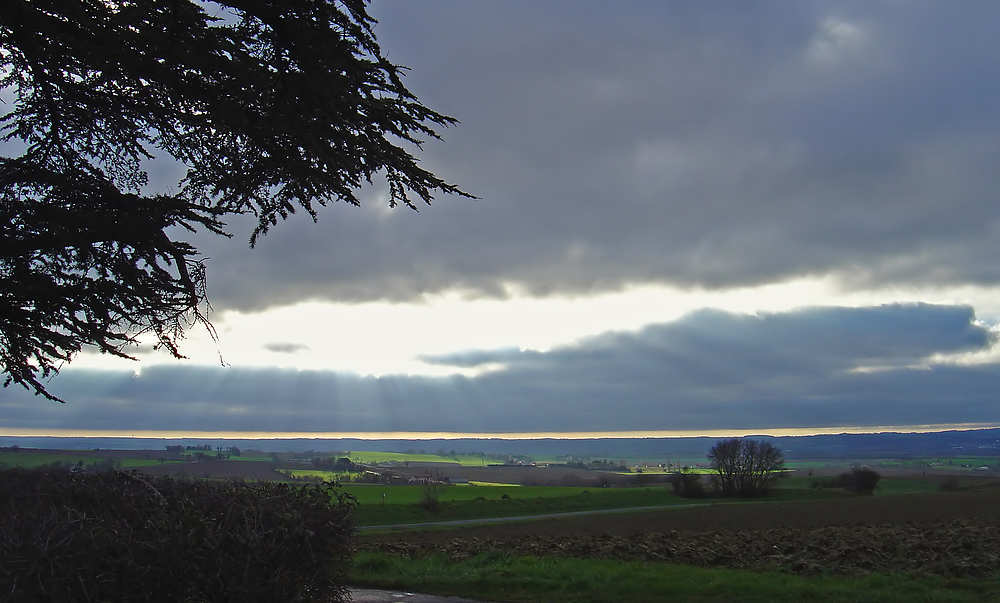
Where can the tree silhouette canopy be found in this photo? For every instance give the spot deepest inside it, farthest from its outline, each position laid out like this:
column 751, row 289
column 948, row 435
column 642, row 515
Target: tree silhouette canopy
column 271, row 106
column 745, row 467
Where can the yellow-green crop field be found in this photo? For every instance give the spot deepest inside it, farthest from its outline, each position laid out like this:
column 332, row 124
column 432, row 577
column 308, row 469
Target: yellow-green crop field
column 30, row 460
column 373, row 457
column 329, row 476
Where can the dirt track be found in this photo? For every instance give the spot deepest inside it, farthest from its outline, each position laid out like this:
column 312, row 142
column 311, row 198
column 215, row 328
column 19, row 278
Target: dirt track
column 950, row 533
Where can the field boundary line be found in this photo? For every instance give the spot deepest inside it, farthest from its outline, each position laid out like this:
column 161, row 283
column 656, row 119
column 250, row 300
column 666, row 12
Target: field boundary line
column 465, row 522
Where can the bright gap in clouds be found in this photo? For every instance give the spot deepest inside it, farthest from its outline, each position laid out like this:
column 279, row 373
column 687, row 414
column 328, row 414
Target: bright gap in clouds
column 379, row 338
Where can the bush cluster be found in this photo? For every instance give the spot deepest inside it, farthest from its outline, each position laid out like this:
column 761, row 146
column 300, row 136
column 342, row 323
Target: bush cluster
column 430, row 500
column 860, row 480
column 951, row 485
column 123, row 536
column 688, row 484
column 745, row 467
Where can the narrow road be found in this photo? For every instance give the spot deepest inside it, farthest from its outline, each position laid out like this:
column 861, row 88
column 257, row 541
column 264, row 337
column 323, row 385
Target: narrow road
column 369, row 595
column 465, row 522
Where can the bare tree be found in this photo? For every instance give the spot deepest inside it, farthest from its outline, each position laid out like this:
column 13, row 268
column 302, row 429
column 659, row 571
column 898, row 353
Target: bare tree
column 746, row 467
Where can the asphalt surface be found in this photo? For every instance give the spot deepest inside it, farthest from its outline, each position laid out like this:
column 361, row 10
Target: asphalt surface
column 484, row 520
column 367, row 595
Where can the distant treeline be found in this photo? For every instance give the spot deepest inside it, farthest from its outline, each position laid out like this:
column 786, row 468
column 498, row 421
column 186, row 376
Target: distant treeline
column 942, row 444
column 202, row 449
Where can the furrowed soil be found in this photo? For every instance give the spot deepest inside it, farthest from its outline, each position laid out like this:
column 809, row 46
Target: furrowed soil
column 954, row 534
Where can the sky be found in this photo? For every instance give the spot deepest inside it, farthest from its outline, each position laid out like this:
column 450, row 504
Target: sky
column 692, row 217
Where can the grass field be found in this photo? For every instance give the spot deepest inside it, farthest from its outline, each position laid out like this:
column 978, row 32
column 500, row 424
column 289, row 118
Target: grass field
column 475, row 502
column 329, row 476
column 887, row 486
column 260, row 456
column 373, row 457
column 401, row 503
column 497, row 577
column 404, row 495
column 30, row 460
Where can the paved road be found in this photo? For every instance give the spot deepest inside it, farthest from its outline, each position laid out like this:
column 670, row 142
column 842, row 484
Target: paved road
column 465, row 522
column 367, row 595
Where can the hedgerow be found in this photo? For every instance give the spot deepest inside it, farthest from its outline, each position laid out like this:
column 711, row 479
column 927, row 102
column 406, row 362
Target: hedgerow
column 123, row 536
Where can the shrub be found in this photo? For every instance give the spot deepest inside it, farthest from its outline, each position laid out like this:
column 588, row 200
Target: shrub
column 951, row 485
column 430, row 501
column 687, row 484
column 860, row 480
column 745, row 467
column 122, row 536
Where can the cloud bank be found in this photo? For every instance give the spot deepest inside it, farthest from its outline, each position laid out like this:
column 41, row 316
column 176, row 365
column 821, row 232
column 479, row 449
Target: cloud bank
column 814, row 367
column 702, row 146
column 678, row 143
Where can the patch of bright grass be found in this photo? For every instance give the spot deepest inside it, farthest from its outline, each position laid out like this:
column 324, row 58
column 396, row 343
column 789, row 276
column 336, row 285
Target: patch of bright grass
column 330, row 476
column 373, row 457
column 31, row 460
column 499, row 577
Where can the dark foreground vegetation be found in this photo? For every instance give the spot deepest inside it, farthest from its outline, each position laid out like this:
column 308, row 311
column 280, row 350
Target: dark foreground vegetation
column 123, row 536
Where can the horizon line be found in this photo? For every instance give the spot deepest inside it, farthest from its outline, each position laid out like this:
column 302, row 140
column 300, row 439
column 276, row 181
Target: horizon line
column 26, row 432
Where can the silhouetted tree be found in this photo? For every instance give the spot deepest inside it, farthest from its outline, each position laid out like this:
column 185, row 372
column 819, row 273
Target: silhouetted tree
column 271, row 107
column 687, row 483
column 746, row 467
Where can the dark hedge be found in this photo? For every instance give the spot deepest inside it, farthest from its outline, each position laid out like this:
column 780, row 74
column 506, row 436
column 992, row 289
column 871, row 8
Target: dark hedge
column 123, row 536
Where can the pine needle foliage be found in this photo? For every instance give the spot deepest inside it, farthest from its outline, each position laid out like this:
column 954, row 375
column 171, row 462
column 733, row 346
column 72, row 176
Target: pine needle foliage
column 270, row 107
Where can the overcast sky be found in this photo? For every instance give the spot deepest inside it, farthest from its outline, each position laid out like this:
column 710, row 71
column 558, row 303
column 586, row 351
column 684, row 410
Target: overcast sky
column 693, row 216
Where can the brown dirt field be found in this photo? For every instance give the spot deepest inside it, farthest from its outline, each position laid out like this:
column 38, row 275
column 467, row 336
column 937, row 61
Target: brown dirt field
column 524, row 475
column 948, row 533
column 247, row 470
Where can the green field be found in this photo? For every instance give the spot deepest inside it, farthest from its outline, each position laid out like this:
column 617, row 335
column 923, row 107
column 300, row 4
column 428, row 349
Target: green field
column 401, row 503
column 370, row 457
column 497, row 577
column 319, row 474
column 404, row 495
column 887, row 486
column 259, row 456
column 30, row 460
column 476, row 502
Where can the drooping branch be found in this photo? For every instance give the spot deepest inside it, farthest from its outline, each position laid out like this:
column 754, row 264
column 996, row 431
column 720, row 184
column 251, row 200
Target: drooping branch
column 281, row 106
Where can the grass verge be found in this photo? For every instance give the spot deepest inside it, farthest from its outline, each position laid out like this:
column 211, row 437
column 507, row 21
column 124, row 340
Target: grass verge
column 498, row 577
column 477, row 502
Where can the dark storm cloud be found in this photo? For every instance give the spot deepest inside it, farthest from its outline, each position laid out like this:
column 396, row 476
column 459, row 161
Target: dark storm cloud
column 711, row 344
column 709, row 370
column 685, row 142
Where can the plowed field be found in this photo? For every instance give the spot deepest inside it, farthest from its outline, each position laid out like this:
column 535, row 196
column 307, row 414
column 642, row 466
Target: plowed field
column 951, row 534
